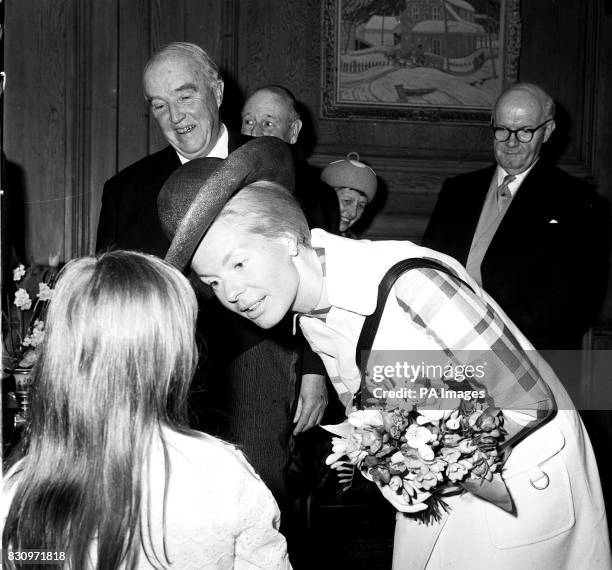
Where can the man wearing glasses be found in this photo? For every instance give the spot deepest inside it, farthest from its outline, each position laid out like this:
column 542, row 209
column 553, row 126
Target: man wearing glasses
column 529, row 233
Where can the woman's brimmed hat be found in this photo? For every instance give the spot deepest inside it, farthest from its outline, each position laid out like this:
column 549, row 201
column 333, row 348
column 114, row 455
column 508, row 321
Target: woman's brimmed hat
column 194, row 194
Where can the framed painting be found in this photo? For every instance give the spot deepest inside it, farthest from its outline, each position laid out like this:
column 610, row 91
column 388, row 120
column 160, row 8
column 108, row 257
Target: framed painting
column 418, row 60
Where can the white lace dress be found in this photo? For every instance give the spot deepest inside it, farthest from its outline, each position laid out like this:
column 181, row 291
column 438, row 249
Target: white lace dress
column 219, row 514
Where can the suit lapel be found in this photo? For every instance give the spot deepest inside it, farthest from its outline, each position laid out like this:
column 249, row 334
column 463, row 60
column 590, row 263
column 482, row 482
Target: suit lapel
column 168, row 162
column 172, row 160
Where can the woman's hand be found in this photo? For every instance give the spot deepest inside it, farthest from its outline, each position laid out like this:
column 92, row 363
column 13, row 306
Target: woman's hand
column 398, row 502
column 345, row 472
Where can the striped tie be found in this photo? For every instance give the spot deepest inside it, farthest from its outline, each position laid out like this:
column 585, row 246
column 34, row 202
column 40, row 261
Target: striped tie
column 503, row 193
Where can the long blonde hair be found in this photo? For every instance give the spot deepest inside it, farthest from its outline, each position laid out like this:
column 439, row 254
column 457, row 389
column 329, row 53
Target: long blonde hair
column 115, row 366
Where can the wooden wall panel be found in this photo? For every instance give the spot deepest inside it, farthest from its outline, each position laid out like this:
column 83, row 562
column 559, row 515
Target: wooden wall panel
column 166, row 25
column 98, row 138
column 132, row 51
column 34, row 112
column 558, row 48
column 74, row 108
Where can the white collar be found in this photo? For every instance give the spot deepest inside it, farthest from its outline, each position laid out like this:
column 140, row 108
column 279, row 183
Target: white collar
column 354, row 268
column 518, row 179
column 220, row 150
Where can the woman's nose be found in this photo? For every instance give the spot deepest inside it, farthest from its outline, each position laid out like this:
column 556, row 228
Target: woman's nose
column 233, row 292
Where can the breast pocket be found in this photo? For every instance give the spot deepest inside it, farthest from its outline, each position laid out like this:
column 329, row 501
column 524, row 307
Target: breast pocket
column 544, row 507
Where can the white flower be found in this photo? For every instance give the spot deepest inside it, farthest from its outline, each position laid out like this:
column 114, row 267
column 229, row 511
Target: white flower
column 18, row 272
column 418, row 437
column 37, row 334
column 429, row 416
column 22, row 299
column 395, row 483
column 397, row 457
column 426, row 452
column 453, row 422
column 350, row 448
column 466, row 446
column 45, row 293
column 366, row 419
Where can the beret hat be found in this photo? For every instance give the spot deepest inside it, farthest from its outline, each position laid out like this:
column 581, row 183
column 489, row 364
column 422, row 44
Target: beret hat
column 351, row 173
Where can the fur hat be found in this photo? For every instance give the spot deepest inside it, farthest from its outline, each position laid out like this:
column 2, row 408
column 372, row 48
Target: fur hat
column 195, row 193
column 350, row 173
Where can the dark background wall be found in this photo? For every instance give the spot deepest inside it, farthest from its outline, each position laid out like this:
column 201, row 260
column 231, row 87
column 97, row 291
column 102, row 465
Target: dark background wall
column 74, row 112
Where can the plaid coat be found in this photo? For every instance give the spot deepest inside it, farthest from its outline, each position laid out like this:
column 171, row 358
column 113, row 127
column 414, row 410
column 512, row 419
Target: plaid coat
column 557, row 525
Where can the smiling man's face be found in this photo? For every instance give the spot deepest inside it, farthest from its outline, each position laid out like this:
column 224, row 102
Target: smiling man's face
column 185, row 104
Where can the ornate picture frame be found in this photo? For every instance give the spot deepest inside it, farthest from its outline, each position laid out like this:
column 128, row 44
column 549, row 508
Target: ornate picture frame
column 418, row 60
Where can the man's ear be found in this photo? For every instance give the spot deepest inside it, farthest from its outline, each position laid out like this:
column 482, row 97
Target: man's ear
column 549, row 129
column 294, row 131
column 290, row 241
column 218, row 91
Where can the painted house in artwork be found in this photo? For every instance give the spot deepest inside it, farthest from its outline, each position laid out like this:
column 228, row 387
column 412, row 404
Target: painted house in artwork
column 444, row 29
column 379, row 31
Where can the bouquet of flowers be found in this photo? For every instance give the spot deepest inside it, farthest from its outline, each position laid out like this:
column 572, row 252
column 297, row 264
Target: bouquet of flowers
column 24, row 326
column 420, row 454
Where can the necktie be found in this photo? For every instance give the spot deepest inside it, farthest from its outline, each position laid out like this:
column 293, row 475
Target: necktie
column 503, row 193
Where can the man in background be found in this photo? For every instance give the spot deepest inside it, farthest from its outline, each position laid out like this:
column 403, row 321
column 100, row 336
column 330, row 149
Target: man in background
column 272, row 111
column 529, row 233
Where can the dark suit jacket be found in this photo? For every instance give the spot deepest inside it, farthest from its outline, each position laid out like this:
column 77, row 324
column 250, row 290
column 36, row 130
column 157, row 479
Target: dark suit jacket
column 547, row 263
column 128, row 219
column 318, row 200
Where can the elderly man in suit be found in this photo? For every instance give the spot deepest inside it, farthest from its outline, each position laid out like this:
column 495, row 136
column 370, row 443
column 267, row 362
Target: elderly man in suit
column 252, row 373
column 184, row 90
column 529, row 233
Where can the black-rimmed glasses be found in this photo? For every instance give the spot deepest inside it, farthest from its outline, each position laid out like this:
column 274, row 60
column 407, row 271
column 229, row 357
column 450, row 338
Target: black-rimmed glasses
column 524, row 135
